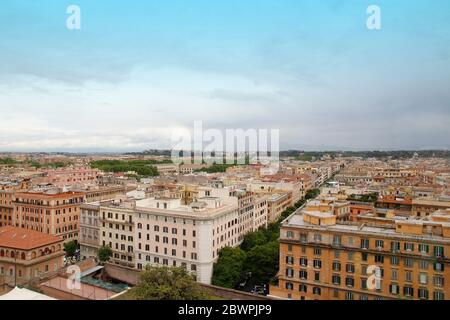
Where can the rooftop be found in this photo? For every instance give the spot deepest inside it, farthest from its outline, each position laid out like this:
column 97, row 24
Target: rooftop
column 25, row 239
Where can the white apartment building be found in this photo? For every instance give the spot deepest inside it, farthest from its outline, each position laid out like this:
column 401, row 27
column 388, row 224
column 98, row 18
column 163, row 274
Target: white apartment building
column 191, row 236
column 251, row 216
column 89, row 237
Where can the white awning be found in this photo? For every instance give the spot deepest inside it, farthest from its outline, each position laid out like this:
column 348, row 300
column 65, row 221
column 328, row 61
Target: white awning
column 24, row 294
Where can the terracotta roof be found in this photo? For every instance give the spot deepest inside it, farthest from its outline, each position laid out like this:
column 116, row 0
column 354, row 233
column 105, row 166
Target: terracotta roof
column 25, row 239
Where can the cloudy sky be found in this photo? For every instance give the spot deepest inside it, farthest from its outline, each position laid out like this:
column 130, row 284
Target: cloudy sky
column 137, row 71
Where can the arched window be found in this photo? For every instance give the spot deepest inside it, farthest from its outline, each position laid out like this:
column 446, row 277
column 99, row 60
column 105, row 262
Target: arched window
column 2, row 253
column 13, row 254
column 33, row 255
column 22, row 256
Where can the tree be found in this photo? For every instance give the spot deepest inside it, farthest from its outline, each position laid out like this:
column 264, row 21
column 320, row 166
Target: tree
column 262, row 262
column 167, row 283
column 253, row 239
column 70, row 248
column 310, row 194
column 104, row 253
column 228, row 270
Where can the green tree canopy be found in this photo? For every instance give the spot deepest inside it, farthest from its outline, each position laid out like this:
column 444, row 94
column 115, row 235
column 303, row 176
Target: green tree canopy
column 167, row 283
column 228, row 269
column 70, row 248
column 104, row 253
column 262, row 261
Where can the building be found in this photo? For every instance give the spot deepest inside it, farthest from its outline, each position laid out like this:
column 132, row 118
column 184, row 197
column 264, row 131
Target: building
column 89, row 230
column 189, row 236
column 260, row 212
column 26, row 254
column 167, row 168
column 322, row 258
column 277, row 203
column 188, row 168
column 7, row 190
column 117, row 225
column 422, row 207
column 70, row 176
column 100, row 193
column 53, row 212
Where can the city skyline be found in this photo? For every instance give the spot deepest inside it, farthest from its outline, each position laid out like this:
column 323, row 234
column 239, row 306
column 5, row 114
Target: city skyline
column 134, row 73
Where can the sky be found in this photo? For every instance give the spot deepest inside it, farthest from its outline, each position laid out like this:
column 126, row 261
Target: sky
column 137, row 71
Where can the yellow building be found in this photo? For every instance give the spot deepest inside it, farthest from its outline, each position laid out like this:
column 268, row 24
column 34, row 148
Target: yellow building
column 322, row 258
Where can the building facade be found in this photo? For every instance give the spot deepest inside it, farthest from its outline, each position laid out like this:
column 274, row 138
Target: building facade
column 325, row 259
column 53, row 212
column 27, row 254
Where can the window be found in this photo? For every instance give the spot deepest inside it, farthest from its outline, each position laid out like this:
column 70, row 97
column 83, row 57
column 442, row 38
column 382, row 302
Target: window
column 423, row 294
column 363, row 297
column 364, row 256
column 364, row 243
column 408, row 276
column 289, row 260
column 303, row 262
column 438, row 295
column 303, row 288
column 289, row 286
column 289, row 272
column 364, row 270
column 349, row 281
column 423, row 265
column 394, row 288
column 395, row 247
column 408, row 291
column 350, row 268
column 337, row 254
column 316, row 276
column 303, row 237
column 317, row 251
column 379, row 259
column 290, row 234
column 317, row 264
column 337, row 240
column 317, row 237
column 409, row 263
column 336, row 266
column 395, row 261
column 438, row 251
column 423, row 278
column 349, row 295
column 409, row 246
column 424, row 248
column 394, row 274
column 438, row 281
column 379, row 244
column 303, row 274
column 363, row 283
column 350, row 256
column 336, row 279
column 316, row 291
column 437, row 266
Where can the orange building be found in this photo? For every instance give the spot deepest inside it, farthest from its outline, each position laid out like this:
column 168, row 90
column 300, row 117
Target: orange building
column 52, row 212
column 325, row 259
column 27, row 254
